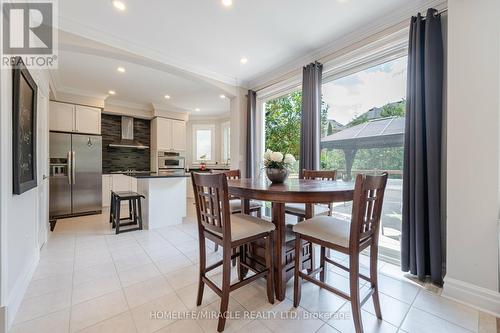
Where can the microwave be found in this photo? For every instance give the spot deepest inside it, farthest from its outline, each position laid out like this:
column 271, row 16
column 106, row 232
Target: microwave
column 171, row 160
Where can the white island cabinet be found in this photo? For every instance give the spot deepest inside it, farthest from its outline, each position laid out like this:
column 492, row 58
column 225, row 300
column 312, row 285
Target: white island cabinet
column 165, row 199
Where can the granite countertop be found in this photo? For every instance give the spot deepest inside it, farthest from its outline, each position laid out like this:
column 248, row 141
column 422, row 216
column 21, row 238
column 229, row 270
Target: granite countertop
column 160, row 175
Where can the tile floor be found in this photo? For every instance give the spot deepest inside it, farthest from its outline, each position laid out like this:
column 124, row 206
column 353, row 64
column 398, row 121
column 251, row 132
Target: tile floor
column 90, row 280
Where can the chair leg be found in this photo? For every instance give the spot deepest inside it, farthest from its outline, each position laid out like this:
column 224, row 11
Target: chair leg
column 270, row 267
column 117, row 215
column 259, row 213
column 226, row 284
column 203, row 266
column 111, row 209
column 322, row 264
column 354, row 291
column 297, row 283
column 374, row 280
column 216, row 247
column 140, row 213
column 233, row 261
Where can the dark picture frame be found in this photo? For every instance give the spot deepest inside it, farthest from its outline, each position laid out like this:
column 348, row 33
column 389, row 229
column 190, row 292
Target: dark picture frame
column 24, row 128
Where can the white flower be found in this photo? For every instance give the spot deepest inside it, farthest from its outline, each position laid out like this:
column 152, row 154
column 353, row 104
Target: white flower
column 289, row 159
column 276, row 156
column 267, row 154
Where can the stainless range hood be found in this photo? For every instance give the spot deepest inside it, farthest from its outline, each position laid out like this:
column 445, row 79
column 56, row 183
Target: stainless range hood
column 127, row 140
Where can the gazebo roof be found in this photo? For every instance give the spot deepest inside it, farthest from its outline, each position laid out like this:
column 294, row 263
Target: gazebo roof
column 376, row 133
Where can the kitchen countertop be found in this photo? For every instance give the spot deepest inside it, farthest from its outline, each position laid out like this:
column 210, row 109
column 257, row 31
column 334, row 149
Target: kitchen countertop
column 160, row 175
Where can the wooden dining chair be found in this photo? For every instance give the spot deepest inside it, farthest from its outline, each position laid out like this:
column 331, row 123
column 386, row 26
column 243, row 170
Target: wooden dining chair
column 231, row 231
column 298, row 209
column 350, row 238
column 235, row 202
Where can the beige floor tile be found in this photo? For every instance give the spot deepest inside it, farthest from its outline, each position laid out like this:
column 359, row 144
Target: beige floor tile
column 235, row 321
column 183, row 277
column 56, row 322
column 342, row 321
column 189, row 294
column 49, row 269
column 182, row 326
column 253, row 296
column 290, row 320
column 418, row 321
column 91, row 273
column 449, row 310
column 122, row 323
column 98, row 309
column 169, row 265
column 393, row 310
column 49, row 284
column 132, row 261
column 138, row 274
column 145, row 291
column 156, row 314
column 254, row 326
column 39, row 306
column 95, row 288
column 487, row 323
column 402, row 289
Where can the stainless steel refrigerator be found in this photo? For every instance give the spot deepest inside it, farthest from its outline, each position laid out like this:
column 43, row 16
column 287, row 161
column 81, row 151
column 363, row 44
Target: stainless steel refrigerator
column 75, row 174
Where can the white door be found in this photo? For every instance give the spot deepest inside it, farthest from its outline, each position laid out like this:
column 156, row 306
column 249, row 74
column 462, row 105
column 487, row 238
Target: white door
column 61, row 117
column 87, row 120
column 43, row 170
column 178, row 135
column 164, row 134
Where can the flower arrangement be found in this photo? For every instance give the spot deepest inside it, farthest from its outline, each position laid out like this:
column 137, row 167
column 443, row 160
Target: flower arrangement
column 277, row 165
column 276, row 160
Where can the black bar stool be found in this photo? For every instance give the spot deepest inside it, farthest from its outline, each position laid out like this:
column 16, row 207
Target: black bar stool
column 135, row 211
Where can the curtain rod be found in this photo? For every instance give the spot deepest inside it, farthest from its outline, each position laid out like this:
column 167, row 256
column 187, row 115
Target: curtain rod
column 439, row 12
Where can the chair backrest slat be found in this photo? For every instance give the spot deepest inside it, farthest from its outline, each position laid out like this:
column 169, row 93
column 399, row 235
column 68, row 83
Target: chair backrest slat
column 212, row 205
column 319, row 174
column 367, row 208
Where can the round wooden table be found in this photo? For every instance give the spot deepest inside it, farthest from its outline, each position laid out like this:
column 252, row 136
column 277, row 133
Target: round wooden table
column 304, row 191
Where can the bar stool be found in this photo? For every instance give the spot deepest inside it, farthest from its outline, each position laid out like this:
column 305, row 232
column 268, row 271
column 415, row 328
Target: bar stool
column 135, row 211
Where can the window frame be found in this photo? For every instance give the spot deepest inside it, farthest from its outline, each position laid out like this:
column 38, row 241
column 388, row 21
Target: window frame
column 203, row 127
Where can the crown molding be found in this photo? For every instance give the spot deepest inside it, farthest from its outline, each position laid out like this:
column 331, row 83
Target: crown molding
column 387, row 24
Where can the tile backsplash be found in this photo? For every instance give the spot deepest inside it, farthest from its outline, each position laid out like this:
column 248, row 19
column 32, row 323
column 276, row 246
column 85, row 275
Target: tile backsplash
column 117, row 159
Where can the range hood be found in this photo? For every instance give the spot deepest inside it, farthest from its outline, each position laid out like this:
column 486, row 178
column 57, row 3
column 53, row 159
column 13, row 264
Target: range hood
column 127, row 140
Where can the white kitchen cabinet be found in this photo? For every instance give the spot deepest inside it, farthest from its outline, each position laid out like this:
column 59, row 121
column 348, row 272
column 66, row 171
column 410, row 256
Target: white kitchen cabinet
column 67, row 117
column 189, row 189
column 87, row 120
column 168, row 134
column 178, row 135
column 121, row 183
column 61, row 117
column 106, row 190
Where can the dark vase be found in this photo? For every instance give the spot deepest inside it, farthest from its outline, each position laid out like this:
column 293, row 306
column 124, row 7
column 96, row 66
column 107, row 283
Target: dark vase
column 277, row 175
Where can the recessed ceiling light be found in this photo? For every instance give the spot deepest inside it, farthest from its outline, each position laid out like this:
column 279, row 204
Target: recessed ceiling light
column 243, row 60
column 197, row 109
column 167, row 96
column 121, row 69
column 222, row 96
column 227, row 3
column 111, row 92
column 119, row 5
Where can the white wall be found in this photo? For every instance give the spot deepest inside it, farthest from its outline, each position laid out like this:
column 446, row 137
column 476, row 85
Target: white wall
column 473, row 153
column 19, row 214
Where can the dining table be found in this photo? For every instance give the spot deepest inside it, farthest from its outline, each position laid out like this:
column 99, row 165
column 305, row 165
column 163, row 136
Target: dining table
column 306, row 191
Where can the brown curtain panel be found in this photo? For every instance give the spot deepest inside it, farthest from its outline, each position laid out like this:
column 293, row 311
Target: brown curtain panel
column 310, row 130
column 421, row 243
column 250, row 140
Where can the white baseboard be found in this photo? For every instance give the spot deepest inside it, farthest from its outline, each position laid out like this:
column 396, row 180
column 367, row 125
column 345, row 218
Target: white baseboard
column 17, row 294
column 480, row 298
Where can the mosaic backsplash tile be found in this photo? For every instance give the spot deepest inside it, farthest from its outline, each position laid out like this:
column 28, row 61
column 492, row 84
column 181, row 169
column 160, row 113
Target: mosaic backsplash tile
column 118, row 159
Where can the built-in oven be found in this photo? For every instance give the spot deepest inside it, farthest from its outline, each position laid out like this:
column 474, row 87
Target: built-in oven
column 171, row 160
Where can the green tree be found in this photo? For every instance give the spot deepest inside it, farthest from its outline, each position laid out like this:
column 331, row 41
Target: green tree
column 394, row 109
column 282, row 124
column 330, row 129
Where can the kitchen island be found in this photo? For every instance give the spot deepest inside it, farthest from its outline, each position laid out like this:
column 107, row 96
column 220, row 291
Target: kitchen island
column 165, row 198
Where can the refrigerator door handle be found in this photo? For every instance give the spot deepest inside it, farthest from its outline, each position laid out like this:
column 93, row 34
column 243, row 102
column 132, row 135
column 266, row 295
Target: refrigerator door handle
column 70, row 167
column 73, row 167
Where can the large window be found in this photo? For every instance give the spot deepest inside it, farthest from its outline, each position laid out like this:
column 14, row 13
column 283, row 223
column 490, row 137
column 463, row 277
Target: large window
column 365, row 134
column 203, row 142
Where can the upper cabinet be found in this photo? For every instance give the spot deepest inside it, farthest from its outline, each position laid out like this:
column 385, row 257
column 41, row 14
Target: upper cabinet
column 178, row 135
column 67, row 117
column 168, row 134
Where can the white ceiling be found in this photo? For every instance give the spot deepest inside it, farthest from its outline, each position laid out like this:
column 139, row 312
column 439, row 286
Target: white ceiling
column 142, row 85
column 205, row 38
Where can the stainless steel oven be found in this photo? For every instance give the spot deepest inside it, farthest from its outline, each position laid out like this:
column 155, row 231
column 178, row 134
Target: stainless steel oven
column 170, row 160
